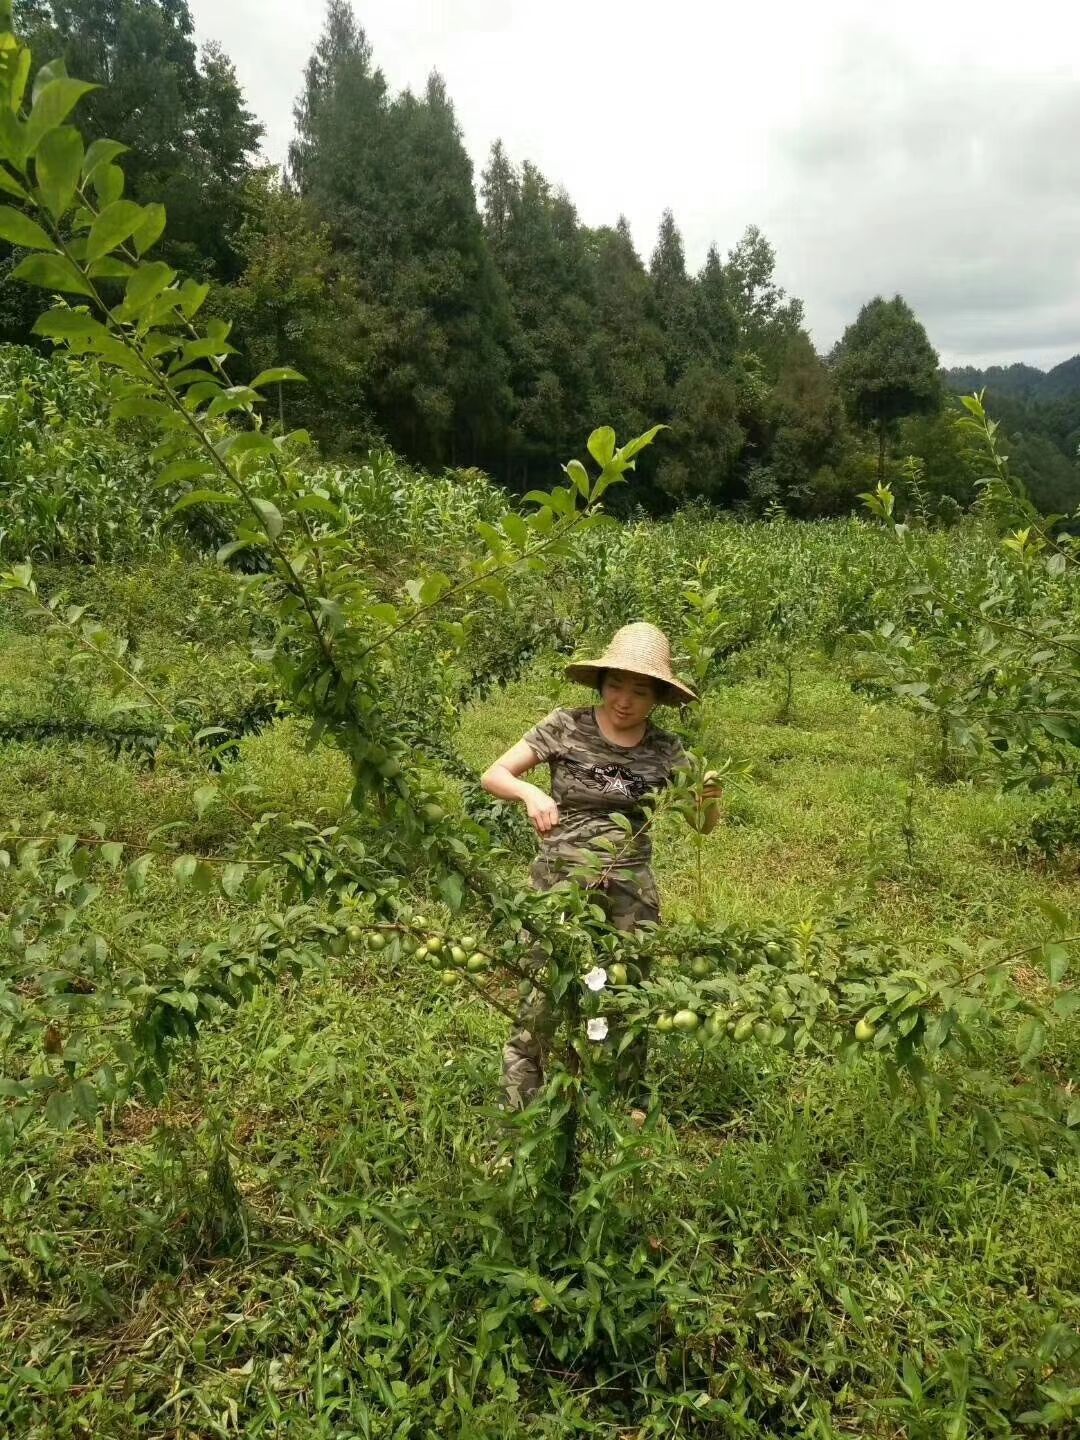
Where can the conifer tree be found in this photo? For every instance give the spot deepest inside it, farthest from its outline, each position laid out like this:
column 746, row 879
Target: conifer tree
column 540, row 249
column 673, row 298
column 886, row 368
column 627, row 344
column 392, row 179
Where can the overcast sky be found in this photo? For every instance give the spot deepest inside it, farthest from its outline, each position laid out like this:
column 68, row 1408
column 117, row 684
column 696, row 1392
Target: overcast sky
column 930, row 149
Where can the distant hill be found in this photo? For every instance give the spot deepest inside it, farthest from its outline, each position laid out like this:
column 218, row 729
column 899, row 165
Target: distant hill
column 1018, row 382
column 1039, row 412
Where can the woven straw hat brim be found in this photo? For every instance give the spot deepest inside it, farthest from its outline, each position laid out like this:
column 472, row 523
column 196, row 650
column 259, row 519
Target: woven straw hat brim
column 641, row 649
column 587, row 672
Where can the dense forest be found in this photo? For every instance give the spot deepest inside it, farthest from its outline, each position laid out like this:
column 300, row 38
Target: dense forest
column 477, row 321
column 1040, row 411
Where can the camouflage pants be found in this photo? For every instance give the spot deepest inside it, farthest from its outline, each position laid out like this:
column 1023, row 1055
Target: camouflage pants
column 629, row 899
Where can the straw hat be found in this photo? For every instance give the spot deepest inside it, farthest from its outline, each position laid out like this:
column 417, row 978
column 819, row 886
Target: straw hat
column 643, row 650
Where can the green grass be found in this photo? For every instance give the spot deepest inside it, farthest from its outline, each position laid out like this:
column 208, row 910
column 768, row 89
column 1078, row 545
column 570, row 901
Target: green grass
column 832, row 1252
column 818, row 826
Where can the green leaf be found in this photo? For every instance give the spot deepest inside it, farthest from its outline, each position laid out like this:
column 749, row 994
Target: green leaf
column 203, row 497
column 57, row 167
column 151, row 230
column 85, row 1100
column 111, row 267
column 112, row 852
column 320, row 504
column 55, row 69
column 433, row 587
column 271, row 516
column 452, row 889
column 1053, row 913
column 116, row 223
column 146, row 284
column 182, row 470
column 201, row 390
column 192, row 295
column 988, row 1128
column 101, row 152
column 157, row 342
column 54, row 103
column 204, row 879
column 207, row 349
column 517, row 530
column 108, row 183
column 8, row 185
column 52, row 272
column 579, row 475
column 141, row 407
column 235, row 397
column 278, row 376
column 20, row 73
column 1030, row 1038
column 602, row 445
column 633, row 447
column 137, row 872
column 1056, row 959
column 116, row 353
column 184, row 867
column 66, row 324
column 495, row 541
column 12, row 138
column 18, row 229
column 232, row 877
column 493, row 586
column 60, row 1109
column 204, row 798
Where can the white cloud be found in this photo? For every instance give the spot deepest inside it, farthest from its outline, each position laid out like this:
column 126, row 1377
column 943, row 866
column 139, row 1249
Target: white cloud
column 929, row 150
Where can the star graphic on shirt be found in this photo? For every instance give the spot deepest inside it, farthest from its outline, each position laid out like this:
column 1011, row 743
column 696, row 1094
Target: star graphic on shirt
column 618, row 785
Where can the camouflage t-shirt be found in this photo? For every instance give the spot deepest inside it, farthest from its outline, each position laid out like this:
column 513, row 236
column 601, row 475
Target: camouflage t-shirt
column 591, row 778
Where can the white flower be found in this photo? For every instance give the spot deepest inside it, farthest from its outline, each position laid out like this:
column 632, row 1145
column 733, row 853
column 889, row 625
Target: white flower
column 597, row 1029
column 596, row 979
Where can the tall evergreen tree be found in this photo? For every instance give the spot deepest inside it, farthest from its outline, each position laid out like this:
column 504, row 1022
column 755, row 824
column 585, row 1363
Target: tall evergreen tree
column 626, row 343
column 540, row 249
column 673, row 298
column 451, row 354
column 338, row 159
column 393, row 181
column 886, row 368
column 717, row 322
column 699, row 331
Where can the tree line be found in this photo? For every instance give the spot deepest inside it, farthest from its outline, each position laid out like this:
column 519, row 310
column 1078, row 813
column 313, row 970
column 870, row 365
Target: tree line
column 1040, row 412
column 477, row 321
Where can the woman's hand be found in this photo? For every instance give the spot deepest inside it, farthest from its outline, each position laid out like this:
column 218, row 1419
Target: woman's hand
column 503, row 779
column 711, row 790
column 541, row 810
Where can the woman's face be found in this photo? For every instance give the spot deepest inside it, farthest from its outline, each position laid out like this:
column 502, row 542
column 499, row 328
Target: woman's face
column 630, row 699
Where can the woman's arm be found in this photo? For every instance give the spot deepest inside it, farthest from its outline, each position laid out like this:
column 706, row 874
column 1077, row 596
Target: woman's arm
column 502, row 780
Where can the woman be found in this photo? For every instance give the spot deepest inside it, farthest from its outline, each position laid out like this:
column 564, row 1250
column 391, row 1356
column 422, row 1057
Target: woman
column 604, row 760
